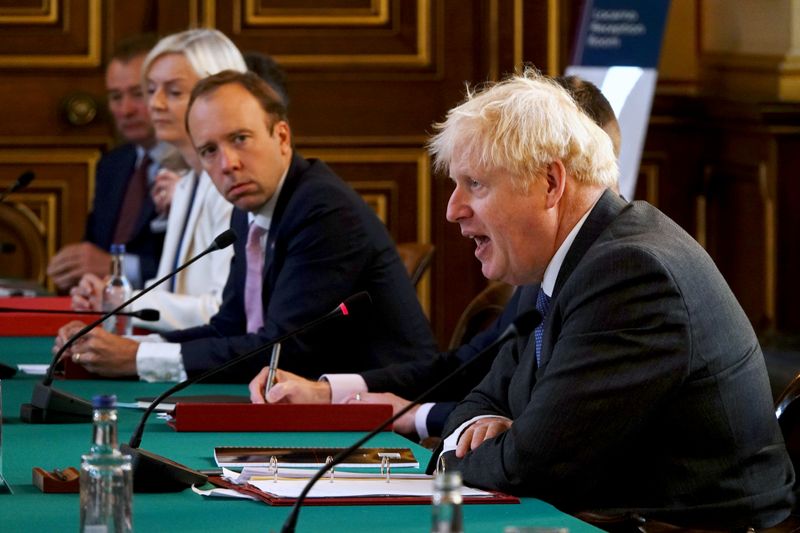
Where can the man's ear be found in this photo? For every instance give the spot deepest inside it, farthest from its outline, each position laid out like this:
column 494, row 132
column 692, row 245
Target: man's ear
column 282, row 130
column 556, row 179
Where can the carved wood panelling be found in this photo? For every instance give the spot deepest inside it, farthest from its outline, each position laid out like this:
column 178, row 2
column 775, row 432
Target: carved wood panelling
column 51, row 34
column 47, row 214
column 333, row 35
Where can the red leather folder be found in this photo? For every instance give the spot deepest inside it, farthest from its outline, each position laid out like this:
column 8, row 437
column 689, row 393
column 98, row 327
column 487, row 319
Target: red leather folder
column 35, row 324
column 277, row 417
column 496, row 497
column 40, row 324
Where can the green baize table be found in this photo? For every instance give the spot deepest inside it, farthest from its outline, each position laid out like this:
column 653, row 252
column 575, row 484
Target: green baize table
column 25, row 446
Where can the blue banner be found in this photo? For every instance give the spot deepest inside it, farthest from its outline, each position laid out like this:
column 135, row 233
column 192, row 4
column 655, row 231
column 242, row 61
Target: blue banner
column 621, row 33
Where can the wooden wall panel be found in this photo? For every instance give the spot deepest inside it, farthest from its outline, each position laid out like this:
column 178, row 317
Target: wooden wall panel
column 47, row 214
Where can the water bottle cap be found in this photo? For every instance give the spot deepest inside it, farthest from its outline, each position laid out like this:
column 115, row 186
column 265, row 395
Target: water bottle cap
column 117, row 249
column 104, row 401
column 449, row 480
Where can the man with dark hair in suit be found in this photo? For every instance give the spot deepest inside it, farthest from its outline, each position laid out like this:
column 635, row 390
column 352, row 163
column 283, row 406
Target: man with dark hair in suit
column 644, row 390
column 306, row 242
column 395, row 383
column 122, row 211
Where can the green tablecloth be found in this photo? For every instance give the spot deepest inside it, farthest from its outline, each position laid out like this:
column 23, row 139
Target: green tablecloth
column 61, row 445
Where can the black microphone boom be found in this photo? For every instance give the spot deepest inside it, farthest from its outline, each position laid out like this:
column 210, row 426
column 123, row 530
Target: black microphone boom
column 22, row 181
column 522, row 325
column 148, row 315
column 153, row 473
column 49, row 405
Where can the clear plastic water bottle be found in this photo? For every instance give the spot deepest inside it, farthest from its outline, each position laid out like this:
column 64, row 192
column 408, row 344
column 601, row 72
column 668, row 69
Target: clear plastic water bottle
column 106, row 477
column 446, row 511
column 117, row 290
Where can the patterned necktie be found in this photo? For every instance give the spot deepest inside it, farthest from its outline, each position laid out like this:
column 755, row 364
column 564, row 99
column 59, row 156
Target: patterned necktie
column 132, row 203
column 253, row 306
column 542, row 305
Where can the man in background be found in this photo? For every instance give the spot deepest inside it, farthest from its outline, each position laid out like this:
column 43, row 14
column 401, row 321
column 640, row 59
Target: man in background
column 122, row 210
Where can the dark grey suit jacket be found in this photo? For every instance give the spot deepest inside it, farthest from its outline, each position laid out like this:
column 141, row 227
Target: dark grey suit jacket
column 652, row 395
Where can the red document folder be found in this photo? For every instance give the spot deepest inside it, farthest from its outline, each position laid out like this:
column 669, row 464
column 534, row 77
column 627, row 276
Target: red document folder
column 496, row 497
column 35, row 324
column 277, row 417
column 15, row 324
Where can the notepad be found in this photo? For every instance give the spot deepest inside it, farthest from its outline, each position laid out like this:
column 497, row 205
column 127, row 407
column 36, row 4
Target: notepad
column 296, row 457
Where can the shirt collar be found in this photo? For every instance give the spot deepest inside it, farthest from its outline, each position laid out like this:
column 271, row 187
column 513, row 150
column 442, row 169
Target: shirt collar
column 554, row 267
column 263, row 217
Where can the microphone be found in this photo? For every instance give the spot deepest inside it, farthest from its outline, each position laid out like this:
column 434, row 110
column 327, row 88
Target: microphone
column 523, row 325
column 22, row 181
column 49, row 405
column 148, row 315
column 154, row 473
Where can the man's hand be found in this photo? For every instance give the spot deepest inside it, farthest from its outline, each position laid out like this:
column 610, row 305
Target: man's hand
column 289, row 388
column 87, row 295
column 74, row 260
column 404, row 424
column 482, row 430
column 99, row 351
column 64, row 334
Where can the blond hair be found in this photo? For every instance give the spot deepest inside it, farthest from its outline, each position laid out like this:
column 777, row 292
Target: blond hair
column 208, row 51
column 521, row 125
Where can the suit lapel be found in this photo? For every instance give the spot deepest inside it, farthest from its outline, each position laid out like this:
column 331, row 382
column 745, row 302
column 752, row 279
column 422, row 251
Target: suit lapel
column 607, row 208
column 197, row 205
column 297, row 167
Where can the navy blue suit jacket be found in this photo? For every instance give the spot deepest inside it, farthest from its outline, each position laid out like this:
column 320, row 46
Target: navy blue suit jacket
column 114, row 170
column 324, row 245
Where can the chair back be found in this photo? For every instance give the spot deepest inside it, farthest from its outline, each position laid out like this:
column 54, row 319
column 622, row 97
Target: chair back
column 417, row 257
column 481, row 312
column 787, row 410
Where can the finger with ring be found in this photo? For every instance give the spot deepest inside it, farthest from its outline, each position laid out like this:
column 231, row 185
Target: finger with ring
column 358, row 396
column 76, row 358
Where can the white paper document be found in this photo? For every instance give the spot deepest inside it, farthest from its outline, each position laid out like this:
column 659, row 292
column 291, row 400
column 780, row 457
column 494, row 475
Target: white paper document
column 33, row 370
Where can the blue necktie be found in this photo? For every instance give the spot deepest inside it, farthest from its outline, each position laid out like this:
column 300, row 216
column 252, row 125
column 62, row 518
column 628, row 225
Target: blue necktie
column 542, row 305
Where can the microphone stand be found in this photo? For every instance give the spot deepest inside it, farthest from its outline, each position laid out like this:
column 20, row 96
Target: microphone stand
column 22, row 181
column 148, row 315
column 154, row 473
column 49, row 405
column 522, row 325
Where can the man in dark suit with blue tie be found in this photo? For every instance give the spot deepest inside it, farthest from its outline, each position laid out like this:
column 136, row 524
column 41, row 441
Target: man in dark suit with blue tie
column 644, row 390
column 307, row 241
column 122, row 211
